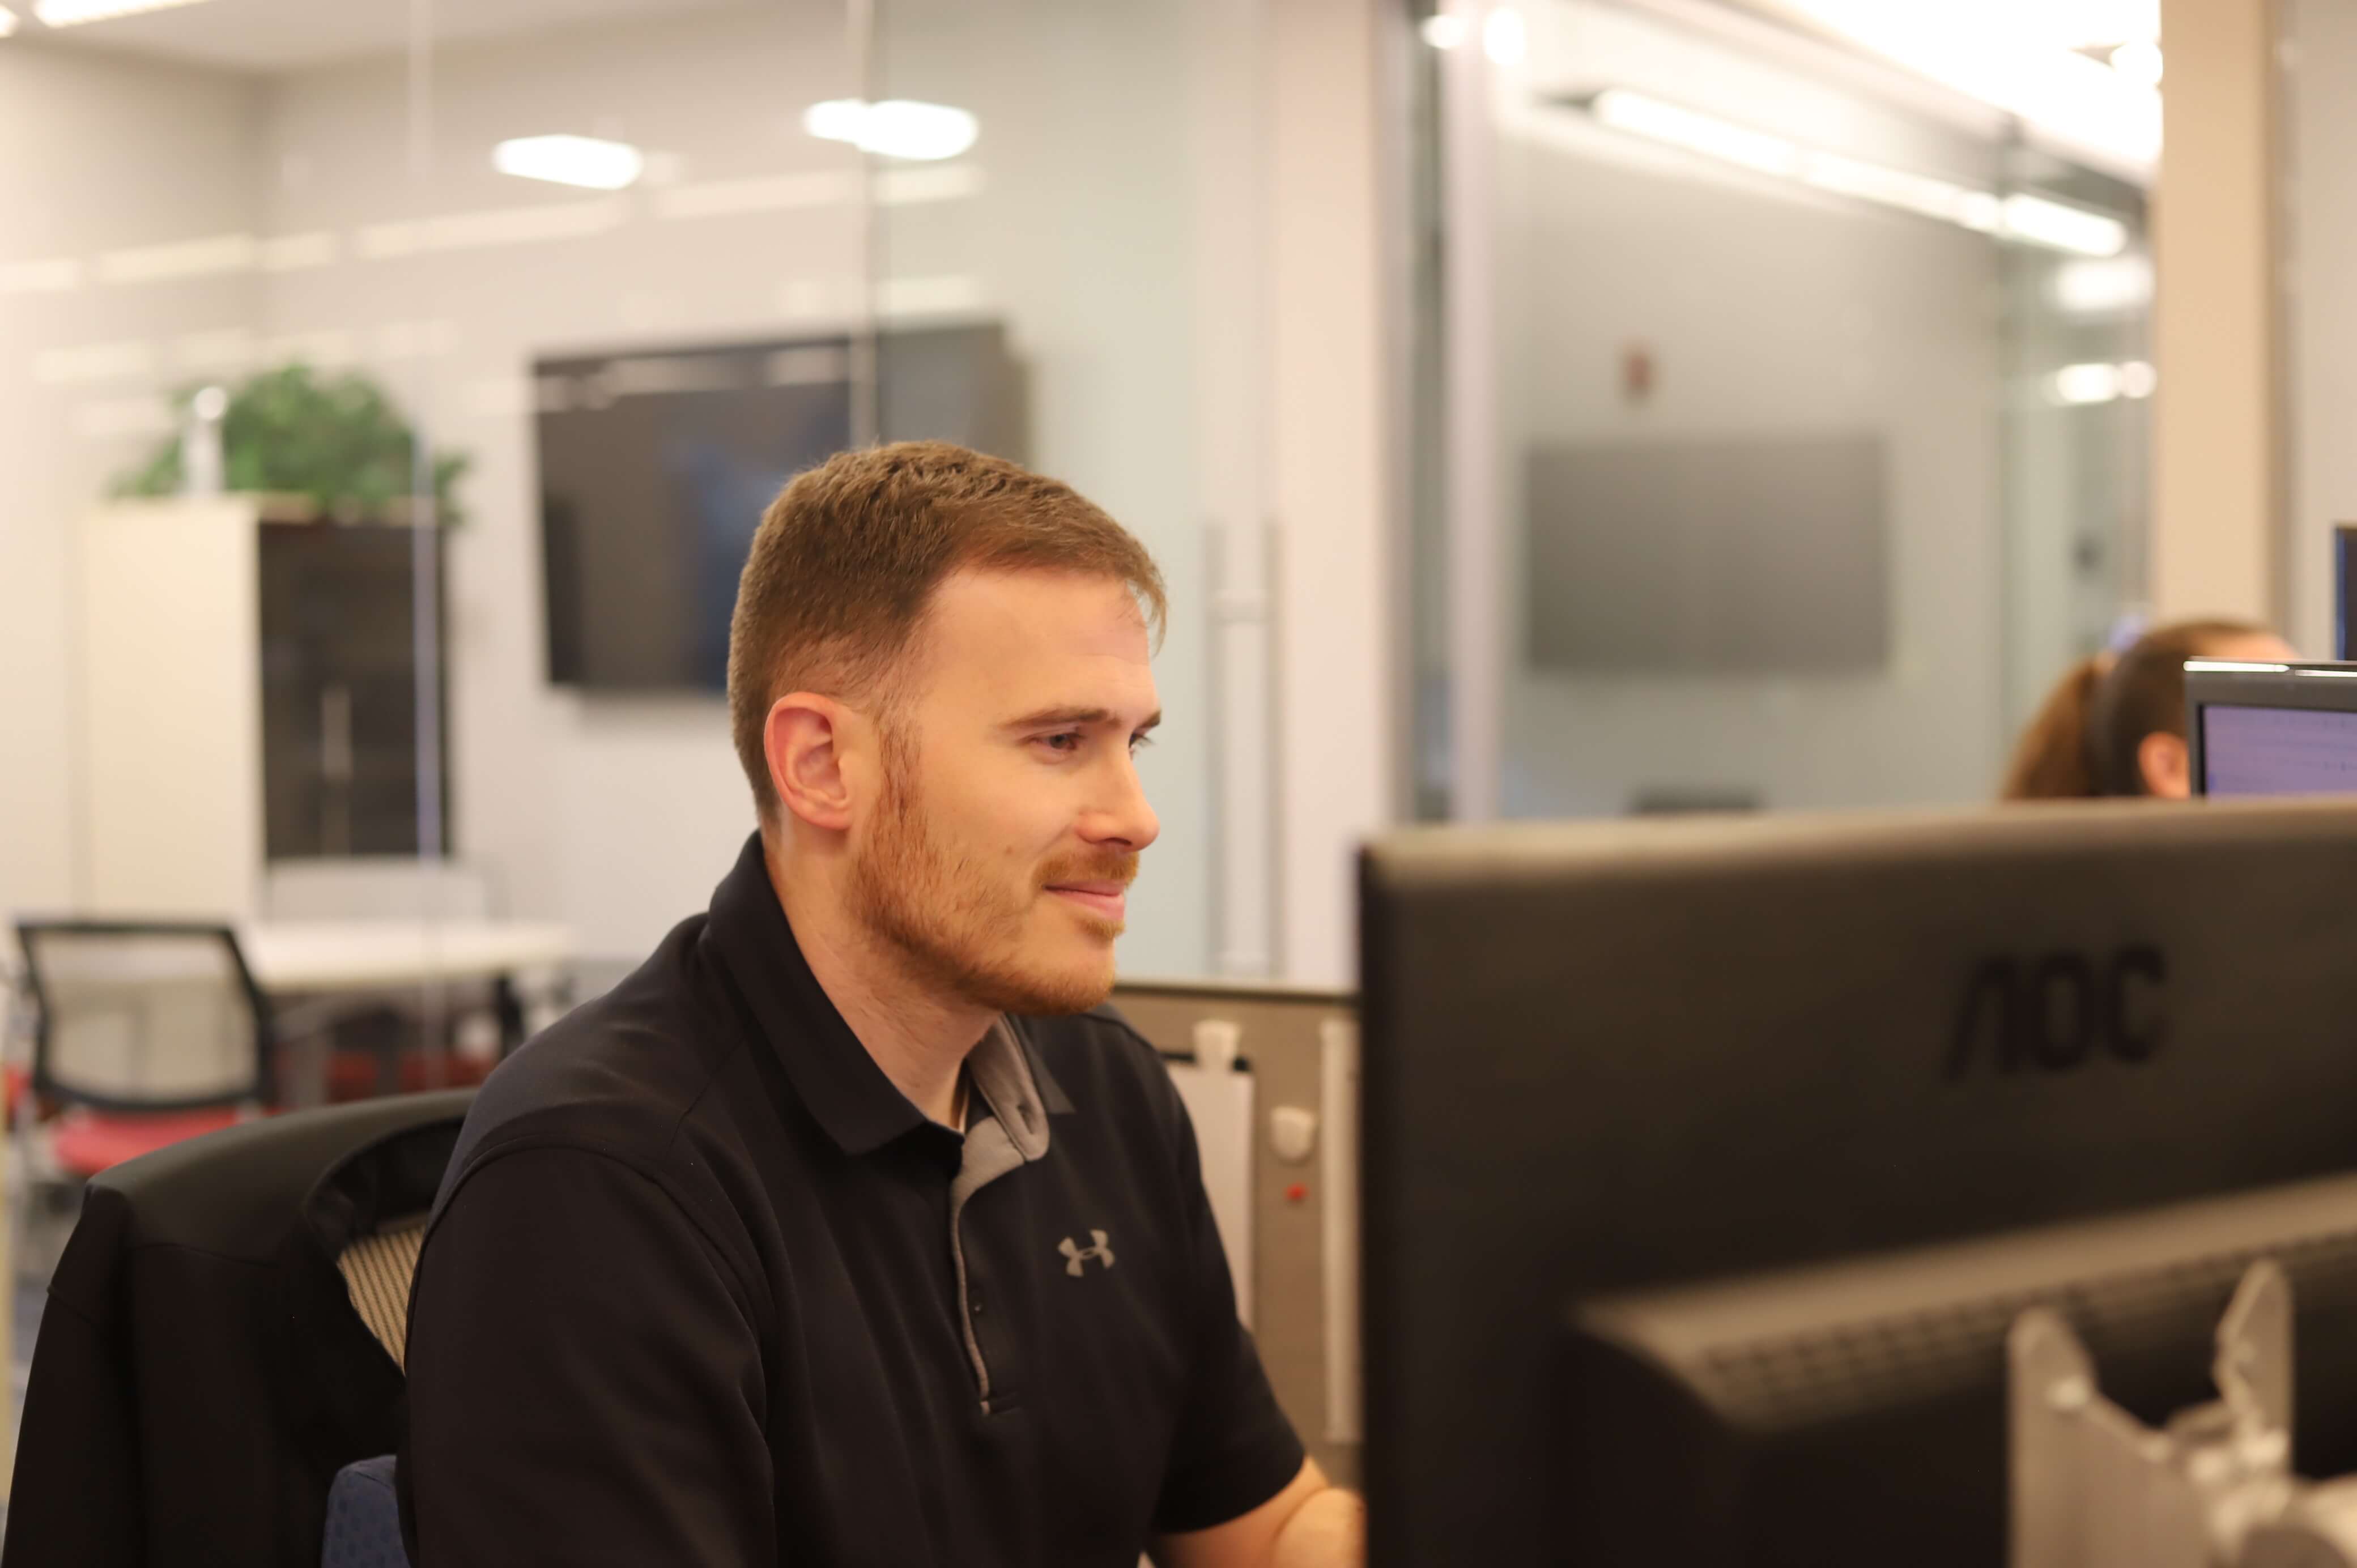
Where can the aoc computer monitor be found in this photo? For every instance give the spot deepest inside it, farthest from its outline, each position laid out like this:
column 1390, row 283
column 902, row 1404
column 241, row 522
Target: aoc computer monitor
column 2271, row 729
column 1707, row 1163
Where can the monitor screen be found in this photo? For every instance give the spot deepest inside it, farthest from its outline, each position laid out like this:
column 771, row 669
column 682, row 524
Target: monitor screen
column 2278, row 751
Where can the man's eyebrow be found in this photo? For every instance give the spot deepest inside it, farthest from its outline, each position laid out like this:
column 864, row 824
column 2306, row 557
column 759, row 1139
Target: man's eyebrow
column 1051, row 718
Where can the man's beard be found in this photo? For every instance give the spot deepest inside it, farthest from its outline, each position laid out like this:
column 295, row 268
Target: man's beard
column 959, row 928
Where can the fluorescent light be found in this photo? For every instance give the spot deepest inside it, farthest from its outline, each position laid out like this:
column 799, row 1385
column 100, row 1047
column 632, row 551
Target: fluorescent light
column 2022, row 57
column 2233, row 667
column 1919, row 193
column 7, row 21
column 74, row 13
column 1682, row 127
column 2100, row 381
column 2139, row 61
column 1983, row 213
column 2104, row 286
column 2021, row 216
column 2092, row 24
column 1446, row 30
column 570, row 160
column 2329, row 674
column 894, row 127
column 2096, row 382
column 2046, row 222
column 1504, row 39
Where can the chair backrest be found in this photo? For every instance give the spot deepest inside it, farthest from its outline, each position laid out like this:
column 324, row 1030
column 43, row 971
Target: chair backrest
column 377, row 1269
column 144, row 1015
column 208, row 1360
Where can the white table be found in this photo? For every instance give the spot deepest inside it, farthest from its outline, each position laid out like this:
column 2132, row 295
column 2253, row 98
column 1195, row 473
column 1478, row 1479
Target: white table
column 318, row 957
column 323, row 967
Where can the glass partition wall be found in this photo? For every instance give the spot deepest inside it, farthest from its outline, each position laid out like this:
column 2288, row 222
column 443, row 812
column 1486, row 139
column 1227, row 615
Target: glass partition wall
column 479, row 338
column 1792, row 439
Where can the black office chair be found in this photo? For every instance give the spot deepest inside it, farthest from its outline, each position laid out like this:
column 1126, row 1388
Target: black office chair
column 215, row 1348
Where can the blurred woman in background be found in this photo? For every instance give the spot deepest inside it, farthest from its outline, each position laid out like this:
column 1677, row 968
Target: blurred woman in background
column 2115, row 723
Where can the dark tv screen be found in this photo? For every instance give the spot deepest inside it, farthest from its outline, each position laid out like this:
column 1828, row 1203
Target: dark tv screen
column 656, row 466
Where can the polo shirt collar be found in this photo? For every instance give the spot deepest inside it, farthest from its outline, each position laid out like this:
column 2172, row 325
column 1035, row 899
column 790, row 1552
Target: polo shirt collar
column 859, row 1108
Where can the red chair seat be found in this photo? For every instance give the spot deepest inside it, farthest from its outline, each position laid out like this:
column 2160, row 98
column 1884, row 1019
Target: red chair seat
column 88, row 1142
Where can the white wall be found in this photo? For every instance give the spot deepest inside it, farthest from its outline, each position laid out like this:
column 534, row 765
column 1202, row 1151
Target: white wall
column 2217, row 443
column 1340, row 647
column 99, row 156
column 1766, row 310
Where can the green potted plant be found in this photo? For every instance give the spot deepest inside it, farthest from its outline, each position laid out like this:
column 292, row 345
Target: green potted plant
column 322, row 445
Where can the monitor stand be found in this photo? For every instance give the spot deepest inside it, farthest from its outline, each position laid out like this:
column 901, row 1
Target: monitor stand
column 2096, row 1487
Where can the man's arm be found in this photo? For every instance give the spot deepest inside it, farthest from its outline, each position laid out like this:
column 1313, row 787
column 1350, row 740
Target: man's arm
column 585, row 1382
column 1310, row 1524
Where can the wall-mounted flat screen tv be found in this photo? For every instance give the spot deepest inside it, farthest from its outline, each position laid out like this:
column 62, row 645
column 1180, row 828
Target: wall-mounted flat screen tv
column 656, row 465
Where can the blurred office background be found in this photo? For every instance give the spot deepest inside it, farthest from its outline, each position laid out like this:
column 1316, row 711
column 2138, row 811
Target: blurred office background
column 1562, row 408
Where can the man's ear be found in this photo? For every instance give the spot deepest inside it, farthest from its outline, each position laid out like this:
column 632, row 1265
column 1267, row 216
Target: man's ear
column 2168, row 771
column 803, row 740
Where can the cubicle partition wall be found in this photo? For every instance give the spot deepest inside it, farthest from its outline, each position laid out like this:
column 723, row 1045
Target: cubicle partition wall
column 1270, row 1076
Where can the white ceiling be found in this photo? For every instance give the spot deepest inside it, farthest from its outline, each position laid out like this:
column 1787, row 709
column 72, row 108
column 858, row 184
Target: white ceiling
column 270, row 36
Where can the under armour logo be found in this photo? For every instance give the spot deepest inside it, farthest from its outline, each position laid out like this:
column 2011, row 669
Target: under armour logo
column 1076, row 1256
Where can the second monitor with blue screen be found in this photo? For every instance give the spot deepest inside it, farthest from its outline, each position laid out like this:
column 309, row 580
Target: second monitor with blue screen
column 2272, row 729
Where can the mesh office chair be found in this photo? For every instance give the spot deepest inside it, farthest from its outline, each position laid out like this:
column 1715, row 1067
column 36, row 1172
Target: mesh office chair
column 363, row 1525
column 149, row 1032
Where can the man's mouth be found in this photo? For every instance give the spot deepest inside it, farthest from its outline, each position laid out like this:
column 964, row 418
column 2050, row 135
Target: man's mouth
column 1103, row 898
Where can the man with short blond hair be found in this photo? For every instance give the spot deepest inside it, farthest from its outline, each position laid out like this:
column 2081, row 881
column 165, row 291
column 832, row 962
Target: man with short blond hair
column 851, row 1228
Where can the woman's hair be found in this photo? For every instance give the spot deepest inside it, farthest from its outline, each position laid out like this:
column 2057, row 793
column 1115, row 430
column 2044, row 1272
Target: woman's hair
column 2085, row 739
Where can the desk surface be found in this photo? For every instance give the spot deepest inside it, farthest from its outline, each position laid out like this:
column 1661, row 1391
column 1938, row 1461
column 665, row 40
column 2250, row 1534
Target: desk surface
column 359, row 955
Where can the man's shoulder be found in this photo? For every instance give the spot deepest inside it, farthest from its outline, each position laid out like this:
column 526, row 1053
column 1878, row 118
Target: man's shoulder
column 620, row 1075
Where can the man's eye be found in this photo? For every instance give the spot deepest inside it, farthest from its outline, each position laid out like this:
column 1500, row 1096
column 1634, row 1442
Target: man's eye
column 1138, row 743
column 1069, row 740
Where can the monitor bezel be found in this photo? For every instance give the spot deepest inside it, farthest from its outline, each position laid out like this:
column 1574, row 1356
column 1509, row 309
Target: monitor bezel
column 2217, row 682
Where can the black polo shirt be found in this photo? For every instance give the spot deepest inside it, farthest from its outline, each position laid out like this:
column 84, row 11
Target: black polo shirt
column 702, row 1287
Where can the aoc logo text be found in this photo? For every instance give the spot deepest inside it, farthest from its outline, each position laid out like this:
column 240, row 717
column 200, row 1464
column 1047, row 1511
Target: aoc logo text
column 2059, row 1011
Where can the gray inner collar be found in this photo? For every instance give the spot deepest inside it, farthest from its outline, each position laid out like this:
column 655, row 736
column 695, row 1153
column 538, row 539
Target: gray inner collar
column 1001, row 1074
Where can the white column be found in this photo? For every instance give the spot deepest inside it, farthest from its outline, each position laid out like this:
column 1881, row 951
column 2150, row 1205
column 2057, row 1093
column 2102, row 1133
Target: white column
column 1335, row 637
column 2217, row 451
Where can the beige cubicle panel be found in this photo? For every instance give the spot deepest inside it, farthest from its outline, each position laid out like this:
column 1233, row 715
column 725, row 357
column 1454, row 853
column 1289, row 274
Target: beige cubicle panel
column 1300, row 1048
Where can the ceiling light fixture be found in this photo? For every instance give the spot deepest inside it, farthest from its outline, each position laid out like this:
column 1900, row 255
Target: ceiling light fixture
column 2078, row 385
column 1505, row 36
column 2023, row 57
column 588, row 161
column 1706, row 134
column 2106, row 286
column 2036, row 219
column 74, row 13
column 2065, row 228
column 894, row 127
column 7, row 21
column 2139, row 61
column 1445, row 30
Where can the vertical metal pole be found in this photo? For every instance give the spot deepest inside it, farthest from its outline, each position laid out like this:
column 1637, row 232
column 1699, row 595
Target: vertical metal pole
column 867, row 368
column 1232, row 113
column 1469, row 373
column 425, row 566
